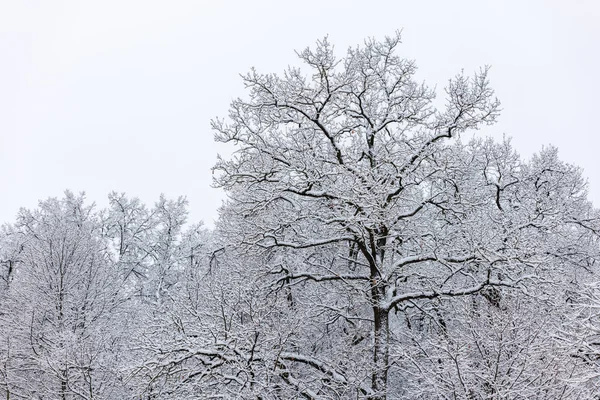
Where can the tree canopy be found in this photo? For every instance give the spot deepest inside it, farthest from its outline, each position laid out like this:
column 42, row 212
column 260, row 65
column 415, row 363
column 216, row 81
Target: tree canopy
column 366, row 250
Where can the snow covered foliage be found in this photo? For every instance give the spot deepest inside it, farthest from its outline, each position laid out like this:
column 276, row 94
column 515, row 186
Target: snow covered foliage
column 365, row 251
column 59, row 306
column 368, row 212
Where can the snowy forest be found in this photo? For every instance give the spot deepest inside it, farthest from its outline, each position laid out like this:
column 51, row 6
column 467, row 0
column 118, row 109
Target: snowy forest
column 365, row 251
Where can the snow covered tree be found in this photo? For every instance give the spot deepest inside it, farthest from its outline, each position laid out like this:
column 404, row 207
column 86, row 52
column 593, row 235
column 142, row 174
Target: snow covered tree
column 172, row 334
column 88, row 296
column 356, row 194
column 60, row 321
column 145, row 242
column 365, row 252
column 12, row 381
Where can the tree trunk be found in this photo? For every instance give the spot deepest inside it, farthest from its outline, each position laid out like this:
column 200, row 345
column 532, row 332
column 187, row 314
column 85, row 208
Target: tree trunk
column 381, row 352
column 63, row 389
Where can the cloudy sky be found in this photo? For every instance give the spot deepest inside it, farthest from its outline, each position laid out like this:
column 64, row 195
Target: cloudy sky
column 98, row 96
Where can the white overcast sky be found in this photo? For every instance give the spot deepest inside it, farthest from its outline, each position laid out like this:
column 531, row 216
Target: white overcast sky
column 98, row 96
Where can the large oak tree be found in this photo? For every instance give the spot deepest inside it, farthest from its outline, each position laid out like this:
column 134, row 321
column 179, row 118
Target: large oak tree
column 357, row 193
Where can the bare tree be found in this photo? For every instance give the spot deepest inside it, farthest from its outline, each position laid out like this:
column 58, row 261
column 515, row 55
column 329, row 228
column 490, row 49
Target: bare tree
column 354, row 190
column 62, row 305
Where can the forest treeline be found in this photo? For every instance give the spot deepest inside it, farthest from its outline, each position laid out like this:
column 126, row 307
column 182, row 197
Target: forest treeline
column 364, row 252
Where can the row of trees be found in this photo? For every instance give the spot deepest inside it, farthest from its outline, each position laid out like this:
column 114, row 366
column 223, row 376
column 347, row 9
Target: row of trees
column 364, row 252
column 77, row 284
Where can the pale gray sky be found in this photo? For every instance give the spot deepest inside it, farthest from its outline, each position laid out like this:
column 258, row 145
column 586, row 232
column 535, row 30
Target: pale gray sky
column 117, row 95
